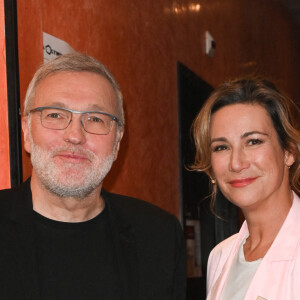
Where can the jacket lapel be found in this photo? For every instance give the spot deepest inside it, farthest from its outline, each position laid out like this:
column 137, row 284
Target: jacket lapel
column 24, row 240
column 276, row 267
column 283, row 249
column 220, row 282
column 125, row 250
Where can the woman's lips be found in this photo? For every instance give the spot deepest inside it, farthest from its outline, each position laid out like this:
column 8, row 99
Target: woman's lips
column 242, row 182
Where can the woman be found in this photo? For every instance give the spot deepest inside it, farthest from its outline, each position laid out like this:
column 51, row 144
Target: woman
column 249, row 144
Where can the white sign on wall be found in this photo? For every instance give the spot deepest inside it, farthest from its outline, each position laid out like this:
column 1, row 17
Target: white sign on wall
column 54, row 47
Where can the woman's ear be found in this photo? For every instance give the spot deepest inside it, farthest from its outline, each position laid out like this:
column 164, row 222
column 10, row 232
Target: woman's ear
column 289, row 155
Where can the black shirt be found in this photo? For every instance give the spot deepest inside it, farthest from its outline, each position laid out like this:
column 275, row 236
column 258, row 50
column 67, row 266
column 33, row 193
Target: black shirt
column 76, row 260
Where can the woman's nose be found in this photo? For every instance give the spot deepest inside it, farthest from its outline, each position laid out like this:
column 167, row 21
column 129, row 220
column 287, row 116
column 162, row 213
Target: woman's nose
column 238, row 160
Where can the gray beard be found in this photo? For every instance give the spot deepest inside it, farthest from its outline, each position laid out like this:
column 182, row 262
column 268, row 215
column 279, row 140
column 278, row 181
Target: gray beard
column 69, row 180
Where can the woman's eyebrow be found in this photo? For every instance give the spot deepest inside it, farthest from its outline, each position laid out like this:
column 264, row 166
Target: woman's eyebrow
column 246, row 134
column 219, row 139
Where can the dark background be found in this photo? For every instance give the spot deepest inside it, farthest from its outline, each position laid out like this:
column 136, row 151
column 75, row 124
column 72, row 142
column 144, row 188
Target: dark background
column 194, row 186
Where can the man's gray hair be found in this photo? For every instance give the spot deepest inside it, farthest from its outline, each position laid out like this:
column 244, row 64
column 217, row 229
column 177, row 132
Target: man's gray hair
column 73, row 62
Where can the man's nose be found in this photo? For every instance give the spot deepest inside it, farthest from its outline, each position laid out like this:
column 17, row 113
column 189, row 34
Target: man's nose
column 75, row 132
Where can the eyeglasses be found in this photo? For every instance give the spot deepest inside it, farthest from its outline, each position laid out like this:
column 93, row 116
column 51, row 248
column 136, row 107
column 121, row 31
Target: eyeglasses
column 58, row 118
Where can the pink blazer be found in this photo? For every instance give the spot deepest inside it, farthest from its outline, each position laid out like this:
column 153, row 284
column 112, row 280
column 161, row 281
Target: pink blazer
column 278, row 275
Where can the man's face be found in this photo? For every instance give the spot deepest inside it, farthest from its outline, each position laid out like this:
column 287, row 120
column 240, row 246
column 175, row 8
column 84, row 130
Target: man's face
column 72, row 162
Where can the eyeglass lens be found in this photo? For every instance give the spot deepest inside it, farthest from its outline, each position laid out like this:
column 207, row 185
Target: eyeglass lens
column 93, row 122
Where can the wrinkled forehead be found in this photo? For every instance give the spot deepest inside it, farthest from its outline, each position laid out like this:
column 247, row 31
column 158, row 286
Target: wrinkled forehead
column 76, row 90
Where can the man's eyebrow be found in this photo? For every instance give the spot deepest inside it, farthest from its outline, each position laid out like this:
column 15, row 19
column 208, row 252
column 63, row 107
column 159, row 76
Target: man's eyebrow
column 93, row 107
column 246, row 134
column 58, row 104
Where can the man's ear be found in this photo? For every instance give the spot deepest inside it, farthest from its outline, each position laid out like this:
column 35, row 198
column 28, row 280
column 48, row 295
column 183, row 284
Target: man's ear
column 25, row 129
column 117, row 145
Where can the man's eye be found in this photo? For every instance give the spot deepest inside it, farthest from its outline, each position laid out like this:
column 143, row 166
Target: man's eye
column 94, row 119
column 53, row 116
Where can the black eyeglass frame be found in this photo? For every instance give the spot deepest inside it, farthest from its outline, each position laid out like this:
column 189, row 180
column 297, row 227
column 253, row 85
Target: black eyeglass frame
column 41, row 108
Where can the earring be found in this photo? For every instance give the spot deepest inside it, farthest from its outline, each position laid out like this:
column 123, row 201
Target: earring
column 213, row 181
column 288, row 165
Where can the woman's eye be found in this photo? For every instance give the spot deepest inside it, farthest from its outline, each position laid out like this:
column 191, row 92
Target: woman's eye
column 254, row 142
column 219, row 148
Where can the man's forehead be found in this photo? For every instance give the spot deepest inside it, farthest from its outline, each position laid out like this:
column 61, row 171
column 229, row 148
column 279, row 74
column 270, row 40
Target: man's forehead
column 80, row 83
column 87, row 106
column 80, row 91
column 73, row 75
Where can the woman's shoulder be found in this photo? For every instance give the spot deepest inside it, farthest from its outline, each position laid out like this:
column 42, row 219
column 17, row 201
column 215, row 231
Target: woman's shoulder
column 217, row 258
column 224, row 247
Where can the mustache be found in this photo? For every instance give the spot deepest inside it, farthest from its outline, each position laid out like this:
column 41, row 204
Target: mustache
column 73, row 150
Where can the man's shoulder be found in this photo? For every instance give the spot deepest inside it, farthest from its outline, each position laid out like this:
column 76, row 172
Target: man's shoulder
column 130, row 202
column 15, row 197
column 136, row 209
column 7, row 195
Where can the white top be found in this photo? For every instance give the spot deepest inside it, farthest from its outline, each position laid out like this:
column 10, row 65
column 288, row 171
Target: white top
column 240, row 276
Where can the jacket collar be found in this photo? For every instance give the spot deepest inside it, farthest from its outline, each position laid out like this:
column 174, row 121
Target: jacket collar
column 287, row 240
column 283, row 248
column 22, row 217
column 124, row 240
column 126, row 247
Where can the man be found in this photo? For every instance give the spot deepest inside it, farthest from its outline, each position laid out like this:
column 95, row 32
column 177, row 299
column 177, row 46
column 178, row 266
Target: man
column 64, row 237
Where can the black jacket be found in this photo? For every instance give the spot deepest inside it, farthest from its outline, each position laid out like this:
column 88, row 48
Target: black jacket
column 149, row 245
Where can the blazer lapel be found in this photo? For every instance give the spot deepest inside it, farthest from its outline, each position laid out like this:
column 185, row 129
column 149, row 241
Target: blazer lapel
column 27, row 259
column 220, row 282
column 24, row 236
column 275, row 268
column 24, row 239
column 125, row 250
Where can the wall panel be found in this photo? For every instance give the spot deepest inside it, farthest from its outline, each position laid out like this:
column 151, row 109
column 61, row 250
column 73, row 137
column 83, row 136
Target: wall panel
column 141, row 42
column 4, row 139
column 30, row 35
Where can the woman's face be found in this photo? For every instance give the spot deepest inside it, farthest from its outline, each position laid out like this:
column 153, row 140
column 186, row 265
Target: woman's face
column 247, row 160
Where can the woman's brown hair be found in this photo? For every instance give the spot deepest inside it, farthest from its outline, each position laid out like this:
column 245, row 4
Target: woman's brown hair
column 249, row 90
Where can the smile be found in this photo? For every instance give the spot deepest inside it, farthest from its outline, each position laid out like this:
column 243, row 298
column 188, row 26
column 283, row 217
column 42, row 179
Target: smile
column 242, row 182
column 72, row 157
